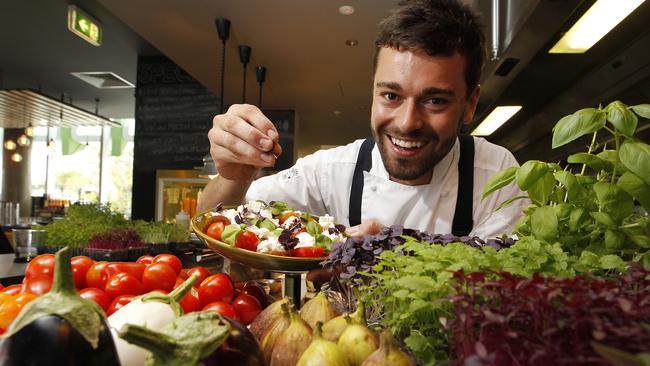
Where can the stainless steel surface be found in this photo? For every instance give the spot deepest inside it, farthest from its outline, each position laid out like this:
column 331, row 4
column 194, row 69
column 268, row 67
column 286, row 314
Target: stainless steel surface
column 26, row 241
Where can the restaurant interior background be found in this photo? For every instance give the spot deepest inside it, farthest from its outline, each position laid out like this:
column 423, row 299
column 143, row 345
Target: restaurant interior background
column 161, row 61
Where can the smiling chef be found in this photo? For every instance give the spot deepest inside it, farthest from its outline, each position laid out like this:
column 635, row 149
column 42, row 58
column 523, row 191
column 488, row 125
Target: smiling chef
column 416, row 170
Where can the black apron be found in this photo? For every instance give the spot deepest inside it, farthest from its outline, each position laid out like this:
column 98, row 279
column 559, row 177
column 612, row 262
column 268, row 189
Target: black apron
column 462, row 224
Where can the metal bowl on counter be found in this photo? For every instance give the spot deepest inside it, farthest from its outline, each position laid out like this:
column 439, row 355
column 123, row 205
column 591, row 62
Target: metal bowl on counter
column 262, row 261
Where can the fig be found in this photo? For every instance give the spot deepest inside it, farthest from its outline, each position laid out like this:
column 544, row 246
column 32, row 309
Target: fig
column 388, row 353
column 291, row 343
column 322, row 352
column 333, row 329
column 318, row 309
column 357, row 342
column 264, row 319
column 274, row 331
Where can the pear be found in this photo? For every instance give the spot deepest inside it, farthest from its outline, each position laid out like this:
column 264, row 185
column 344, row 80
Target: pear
column 322, row 352
column 388, row 353
column 291, row 343
column 318, row 309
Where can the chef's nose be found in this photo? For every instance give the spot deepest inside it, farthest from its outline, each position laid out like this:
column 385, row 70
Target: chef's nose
column 409, row 118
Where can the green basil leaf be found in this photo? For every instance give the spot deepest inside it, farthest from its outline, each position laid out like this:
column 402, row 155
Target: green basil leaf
column 635, row 155
column 575, row 191
column 623, row 120
column 592, row 161
column 611, row 261
column 611, row 156
column 529, row 173
column 614, row 239
column 577, row 218
column 578, row 124
column 563, row 210
column 542, row 189
column 499, row 180
column 613, row 200
column 636, row 188
column 267, row 224
column 230, row 233
column 642, row 110
column 313, row 228
column 603, row 218
column 324, row 241
column 543, row 222
column 507, row 202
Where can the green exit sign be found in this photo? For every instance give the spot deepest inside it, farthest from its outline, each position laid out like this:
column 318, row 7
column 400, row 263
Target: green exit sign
column 83, row 25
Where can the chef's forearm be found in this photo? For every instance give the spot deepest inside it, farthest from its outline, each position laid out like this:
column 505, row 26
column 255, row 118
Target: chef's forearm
column 219, row 189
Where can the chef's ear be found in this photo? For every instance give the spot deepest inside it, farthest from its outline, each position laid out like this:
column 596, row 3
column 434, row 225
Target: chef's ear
column 470, row 106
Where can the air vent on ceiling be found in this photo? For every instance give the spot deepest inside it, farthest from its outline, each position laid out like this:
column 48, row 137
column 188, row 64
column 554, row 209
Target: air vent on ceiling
column 103, row 79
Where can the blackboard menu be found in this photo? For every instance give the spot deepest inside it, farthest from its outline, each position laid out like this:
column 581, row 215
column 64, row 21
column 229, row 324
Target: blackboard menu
column 173, row 115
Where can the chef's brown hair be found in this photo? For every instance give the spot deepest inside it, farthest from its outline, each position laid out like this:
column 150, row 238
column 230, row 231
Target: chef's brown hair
column 439, row 28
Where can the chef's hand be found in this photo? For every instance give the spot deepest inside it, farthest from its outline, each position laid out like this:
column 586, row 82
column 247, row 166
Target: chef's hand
column 368, row 227
column 242, row 141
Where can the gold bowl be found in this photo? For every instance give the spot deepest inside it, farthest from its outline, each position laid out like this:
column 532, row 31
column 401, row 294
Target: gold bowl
column 262, row 261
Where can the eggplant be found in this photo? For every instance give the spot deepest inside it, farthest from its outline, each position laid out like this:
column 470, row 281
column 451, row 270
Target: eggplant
column 59, row 328
column 198, row 338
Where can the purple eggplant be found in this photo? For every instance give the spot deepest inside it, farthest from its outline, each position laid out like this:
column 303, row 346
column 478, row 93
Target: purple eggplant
column 59, row 328
column 199, row 338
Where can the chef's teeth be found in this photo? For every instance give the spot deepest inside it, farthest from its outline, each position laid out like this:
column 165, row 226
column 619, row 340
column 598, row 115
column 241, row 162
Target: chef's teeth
column 407, row 144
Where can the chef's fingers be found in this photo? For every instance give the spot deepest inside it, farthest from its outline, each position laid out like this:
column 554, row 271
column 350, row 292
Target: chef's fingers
column 237, row 126
column 254, row 116
column 229, row 148
column 368, row 227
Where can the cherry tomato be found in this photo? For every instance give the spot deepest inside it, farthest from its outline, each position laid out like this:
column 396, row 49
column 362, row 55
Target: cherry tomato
column 41, row 264
column 312, row 252
column 13, row 289
column 145, row 259
column 247, row 308
column 213, row 219
column 113, row 268
column 183, row 274
column 38, row 285
column 80, row 266
column 123, row 284
column 159, row 276
column 222, row 308
column 201, row 272
column 247, row 240
column 215, row 229
column 217, row 287
column 285, row 216
column 98, row 296
column 190, row 302
column 94, row 276
column 239, row 286
column 11, row 307
column 118, row 302
column 171, row 260
column 1, row 287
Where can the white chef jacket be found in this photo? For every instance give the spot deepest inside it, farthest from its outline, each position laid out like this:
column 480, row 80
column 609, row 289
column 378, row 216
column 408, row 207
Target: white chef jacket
column 320, row 183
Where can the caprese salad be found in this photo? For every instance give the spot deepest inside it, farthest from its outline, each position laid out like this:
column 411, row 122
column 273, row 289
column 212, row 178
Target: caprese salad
column 273, row 228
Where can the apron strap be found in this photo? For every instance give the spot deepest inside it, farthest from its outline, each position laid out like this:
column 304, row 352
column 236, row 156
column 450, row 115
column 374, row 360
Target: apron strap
column 462, row 224
column 364, row 163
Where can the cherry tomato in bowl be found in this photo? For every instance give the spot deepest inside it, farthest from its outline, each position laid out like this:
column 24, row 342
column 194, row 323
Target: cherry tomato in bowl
column 308, row 252
column 247, row 240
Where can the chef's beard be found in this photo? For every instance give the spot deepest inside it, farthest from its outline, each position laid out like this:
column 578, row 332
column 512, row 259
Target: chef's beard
column 407, row 169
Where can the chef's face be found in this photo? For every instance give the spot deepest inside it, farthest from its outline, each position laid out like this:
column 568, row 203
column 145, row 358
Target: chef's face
column 419, row 103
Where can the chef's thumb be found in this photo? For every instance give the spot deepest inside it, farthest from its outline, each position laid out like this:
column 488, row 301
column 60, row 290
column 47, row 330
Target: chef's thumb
column 368, row 227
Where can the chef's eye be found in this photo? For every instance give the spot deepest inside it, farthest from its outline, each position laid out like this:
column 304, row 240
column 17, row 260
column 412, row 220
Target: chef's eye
column 436, row 101
column 390, row 96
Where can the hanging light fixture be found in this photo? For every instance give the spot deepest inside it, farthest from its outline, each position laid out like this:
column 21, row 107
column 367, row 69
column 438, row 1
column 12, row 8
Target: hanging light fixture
column 223, row 29
column 16, row 157
column 244, row 58
column 23, row 140
column 10, row 145
column 260, row 73
column 29, row 131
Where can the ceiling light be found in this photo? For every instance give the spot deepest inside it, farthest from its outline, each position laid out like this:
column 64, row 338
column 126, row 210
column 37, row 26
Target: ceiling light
column 10, row 145
column 346, row 10
column 495, row 119
column 104, row 79
column 351, row 42
column 17, row 157
column 23, row 140
column 29, row 131
column 601, row 18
